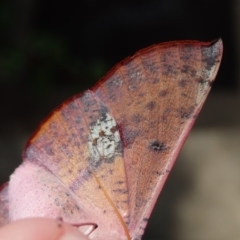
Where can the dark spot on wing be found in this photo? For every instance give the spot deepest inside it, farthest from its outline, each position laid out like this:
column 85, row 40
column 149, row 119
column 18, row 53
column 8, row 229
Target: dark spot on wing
column 94, row 141
column 202, row 81
column 168, row 69
column 95, row 162
column 101, row 133
column 72, row 105
column 52, row 126
column 142, row 94
column 162, row 93
column 136, row 118
column 65, row 114
column 188, row 70
column 158, row 173
column 86, row 174
column 67, row 194
column 48, row 149
column 127, row 219
column 121, row 191
column 119, row 148
column 88, row 100
column 183, row 83
column 55, row 134
column 156, row 80
column 103, row 113
column 120, row 182
column 114, row 129
column 77, row 119
column 110, row 171
column 157, row 146
column 185, row 69
column 183, row 94
column 187, row 112
column 109, row 159
column 64, row 146
column 150, row 65
column 209, row 57
column 151, row 105
column 57, row 202
column 186, row 53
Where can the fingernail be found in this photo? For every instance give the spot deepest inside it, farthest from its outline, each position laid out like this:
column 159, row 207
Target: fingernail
column 69, row 237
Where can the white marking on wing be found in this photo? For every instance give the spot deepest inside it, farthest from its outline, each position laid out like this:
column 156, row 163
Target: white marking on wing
column 103, row 138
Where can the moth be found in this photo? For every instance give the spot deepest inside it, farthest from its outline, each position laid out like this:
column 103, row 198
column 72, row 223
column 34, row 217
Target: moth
column 102, row 157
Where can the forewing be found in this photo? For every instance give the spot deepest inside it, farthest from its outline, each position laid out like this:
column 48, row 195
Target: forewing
column 155, row 98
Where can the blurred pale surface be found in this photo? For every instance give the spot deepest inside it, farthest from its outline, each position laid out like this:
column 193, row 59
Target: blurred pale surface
column 212, row 209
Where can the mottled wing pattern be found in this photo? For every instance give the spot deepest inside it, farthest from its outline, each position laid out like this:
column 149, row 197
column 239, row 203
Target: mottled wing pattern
column 103, row 156
column 80, row 145
column 155, row 98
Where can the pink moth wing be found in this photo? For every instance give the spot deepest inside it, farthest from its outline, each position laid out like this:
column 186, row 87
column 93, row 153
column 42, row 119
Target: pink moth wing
column 103, row 156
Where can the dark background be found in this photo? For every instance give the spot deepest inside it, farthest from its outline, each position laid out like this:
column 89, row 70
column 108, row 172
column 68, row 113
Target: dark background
column 50, row 50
